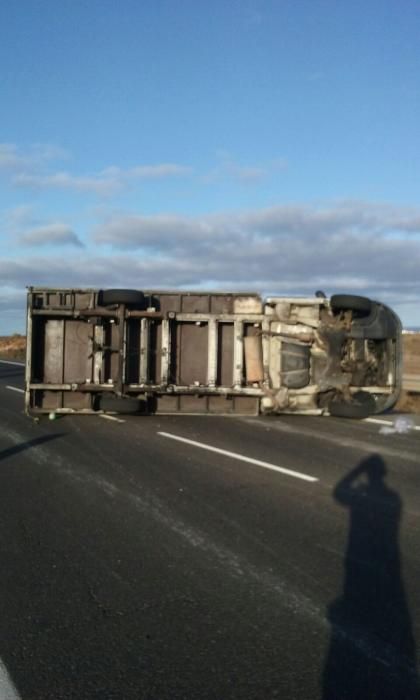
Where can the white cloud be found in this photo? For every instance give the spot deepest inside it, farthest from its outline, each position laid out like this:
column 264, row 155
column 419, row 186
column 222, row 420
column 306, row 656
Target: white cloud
column 162, row 170
column 14, row 158
column 355, row 247
column 360, row 246
column 245, row 173
column 31, row 169
column 23, row 225
column 107, row 182
column 18, row 218
column 229, row 169
column 297, row 269
column 10, row 158
column 54, row 234
column 104, row 185
column 263, row 228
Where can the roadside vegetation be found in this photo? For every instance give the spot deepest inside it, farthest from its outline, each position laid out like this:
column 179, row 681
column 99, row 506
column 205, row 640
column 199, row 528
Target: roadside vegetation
column 409, row 401
column 12, row 347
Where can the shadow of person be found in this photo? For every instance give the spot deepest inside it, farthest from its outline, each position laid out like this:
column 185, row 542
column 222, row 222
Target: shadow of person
column 372, row 651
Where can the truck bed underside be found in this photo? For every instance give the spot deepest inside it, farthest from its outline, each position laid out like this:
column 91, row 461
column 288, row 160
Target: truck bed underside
column 190, row 353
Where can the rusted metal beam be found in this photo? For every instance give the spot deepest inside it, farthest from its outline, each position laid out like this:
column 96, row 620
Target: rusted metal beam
column 220, row 318
column 165, row 351
column 99, row 311
column 144, row 350
column 212, row 353
column 238, row 353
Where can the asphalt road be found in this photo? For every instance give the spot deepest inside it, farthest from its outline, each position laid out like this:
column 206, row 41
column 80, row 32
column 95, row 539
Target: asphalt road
column 146, row 558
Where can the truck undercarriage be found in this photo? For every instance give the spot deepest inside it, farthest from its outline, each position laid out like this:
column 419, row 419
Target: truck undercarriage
column 168, row 352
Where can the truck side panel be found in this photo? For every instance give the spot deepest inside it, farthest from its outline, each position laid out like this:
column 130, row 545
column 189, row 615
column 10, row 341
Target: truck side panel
column 191, row 341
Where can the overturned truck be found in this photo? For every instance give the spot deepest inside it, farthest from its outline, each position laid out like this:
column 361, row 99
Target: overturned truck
column 129, row 351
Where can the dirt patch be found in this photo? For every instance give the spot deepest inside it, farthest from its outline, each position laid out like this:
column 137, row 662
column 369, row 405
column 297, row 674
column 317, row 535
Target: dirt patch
column 409, row 402
column 13, row 347
column 411, row 352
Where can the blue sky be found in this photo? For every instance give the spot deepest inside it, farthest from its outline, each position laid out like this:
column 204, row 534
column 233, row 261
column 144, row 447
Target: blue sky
column 254, row 144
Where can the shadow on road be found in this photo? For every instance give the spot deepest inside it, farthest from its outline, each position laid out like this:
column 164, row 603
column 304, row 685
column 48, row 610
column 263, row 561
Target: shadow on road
column 372, row 651
column 11, row 451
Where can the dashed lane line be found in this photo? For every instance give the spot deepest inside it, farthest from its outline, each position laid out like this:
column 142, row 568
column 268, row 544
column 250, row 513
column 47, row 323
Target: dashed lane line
column 242, row 458
column 381, row 421
column 9, row 362
column 102, row 415
column 114, row 418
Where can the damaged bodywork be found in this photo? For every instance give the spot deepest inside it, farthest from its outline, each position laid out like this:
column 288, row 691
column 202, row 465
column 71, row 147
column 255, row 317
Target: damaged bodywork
column 128, row 351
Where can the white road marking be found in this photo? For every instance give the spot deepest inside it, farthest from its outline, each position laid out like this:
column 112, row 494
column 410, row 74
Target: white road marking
column 381, row 421
column 234, row 455
column 16, row 388
column 107, row 417
column 9, row 362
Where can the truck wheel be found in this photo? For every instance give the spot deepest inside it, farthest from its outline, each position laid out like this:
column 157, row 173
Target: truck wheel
column 351, row 302
column 362, row 405
column 121, row 296
column 117, row 404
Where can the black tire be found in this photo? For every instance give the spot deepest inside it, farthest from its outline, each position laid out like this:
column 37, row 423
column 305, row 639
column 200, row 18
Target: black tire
column 351, row 302
column 121, row 296
column 117, row 404
column 362, row 405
